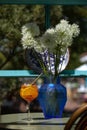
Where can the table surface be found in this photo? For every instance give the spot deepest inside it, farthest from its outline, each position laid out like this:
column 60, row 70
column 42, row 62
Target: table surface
column 19, row 122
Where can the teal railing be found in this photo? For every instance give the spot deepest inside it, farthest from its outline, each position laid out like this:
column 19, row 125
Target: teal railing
column 29, row 73
column 46, row 2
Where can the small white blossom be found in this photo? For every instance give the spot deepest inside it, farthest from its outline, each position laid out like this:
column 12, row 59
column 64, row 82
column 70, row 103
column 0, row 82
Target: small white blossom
column 48, row 39
column 39, row 47
column 75, row 30
column 65, row 33
column 28, row 41
column 32, row 28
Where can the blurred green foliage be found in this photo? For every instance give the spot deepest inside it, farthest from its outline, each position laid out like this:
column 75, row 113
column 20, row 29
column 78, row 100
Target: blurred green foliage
column 12, row 18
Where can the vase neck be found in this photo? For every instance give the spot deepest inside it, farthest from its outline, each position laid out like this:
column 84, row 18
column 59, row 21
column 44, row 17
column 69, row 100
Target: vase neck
column 50, row 79
column 58, row 80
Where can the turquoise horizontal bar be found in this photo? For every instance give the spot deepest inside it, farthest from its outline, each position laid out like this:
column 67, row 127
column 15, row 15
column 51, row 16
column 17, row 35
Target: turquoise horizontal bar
column 50, row 2
column 73, row 73
column 17, row 73
column 29, row 73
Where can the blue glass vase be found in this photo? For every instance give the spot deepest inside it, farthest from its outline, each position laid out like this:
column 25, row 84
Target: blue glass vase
column 52, row 98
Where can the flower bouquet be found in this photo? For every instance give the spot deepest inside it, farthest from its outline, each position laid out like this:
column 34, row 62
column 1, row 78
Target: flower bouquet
column 48, row 55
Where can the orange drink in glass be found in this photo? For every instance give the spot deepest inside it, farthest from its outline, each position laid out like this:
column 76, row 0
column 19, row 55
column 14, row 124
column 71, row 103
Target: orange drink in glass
column 29, row 92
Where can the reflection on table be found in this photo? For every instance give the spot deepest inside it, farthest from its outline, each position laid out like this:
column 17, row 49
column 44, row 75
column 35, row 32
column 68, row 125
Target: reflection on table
column 20, row 122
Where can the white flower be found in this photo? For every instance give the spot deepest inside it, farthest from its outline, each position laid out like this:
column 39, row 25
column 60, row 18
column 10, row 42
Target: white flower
column 75, row 30
column 48, row 39
column 65, row 33
column 63, row 25
column 54, row 41
column 39, row 47
column 32, row 28
column 28, row 41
